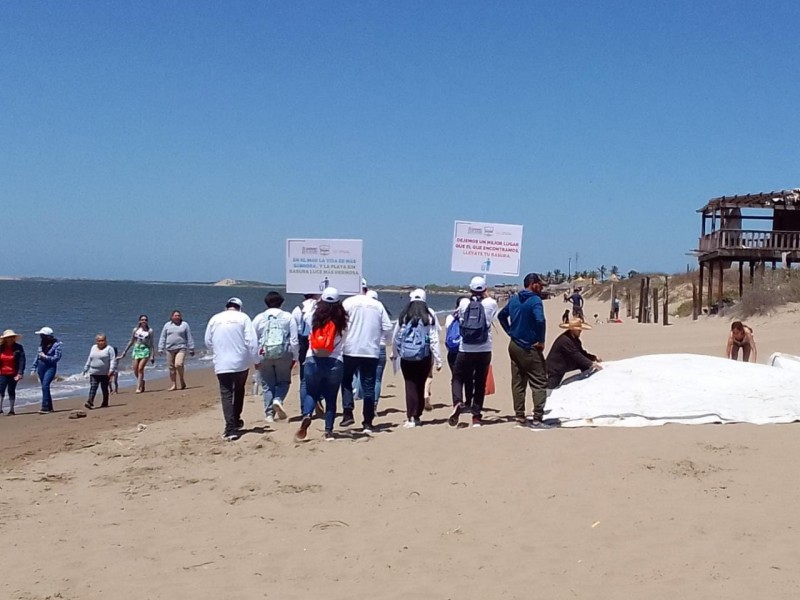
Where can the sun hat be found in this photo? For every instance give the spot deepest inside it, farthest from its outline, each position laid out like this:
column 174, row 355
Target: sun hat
column 44, row 331
column 372, row 294
column 330, row 295
column 10, row 333
column 235, row 301
column 418, row 295
column 477, row 284
column 575, row 324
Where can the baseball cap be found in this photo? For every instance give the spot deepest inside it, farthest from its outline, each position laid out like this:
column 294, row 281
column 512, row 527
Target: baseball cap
column 44, row 331
column 372, row 294
column 477, row 284
column 235, row 301
column 419, row 295
column 330, row 294
column 531, row 278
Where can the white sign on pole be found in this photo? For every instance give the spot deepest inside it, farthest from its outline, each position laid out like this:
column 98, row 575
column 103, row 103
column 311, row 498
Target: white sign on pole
column 486, row 248
column 313, row 265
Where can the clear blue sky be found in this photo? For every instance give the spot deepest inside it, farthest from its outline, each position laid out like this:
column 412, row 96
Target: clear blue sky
column 187, row 140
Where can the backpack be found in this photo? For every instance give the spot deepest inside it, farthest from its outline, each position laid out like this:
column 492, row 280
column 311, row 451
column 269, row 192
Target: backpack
column 474, row 328
column 304, row 329
column 322, row 340
column 453, row 337
column 273, row 341
column 415, row 344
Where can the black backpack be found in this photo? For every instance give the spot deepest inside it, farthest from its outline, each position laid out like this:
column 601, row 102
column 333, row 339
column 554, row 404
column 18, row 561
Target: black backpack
column 474, row 328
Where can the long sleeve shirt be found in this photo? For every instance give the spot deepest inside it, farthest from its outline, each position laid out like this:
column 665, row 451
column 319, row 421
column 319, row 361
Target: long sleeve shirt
column 367, row 323
column 232, row 340
column 433, row 339
column 288, row 324
column 101, row 362
column 567, row 354
column 51, row 358
column 523, row 319
column 176, row 337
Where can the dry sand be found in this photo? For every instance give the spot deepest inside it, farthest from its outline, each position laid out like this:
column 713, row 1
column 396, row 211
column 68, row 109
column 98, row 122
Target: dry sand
column 93, row 508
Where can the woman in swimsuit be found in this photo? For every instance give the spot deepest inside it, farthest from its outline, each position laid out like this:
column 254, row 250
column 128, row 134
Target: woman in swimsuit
column 143, row 349
column 741, row 336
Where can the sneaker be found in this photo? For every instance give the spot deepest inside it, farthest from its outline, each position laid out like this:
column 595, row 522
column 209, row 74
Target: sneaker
column 367, row 430
column 476, row 421
column 328, row 436
column 428, row 405
column 46, row 412
column 453, row 420
column 535, row 424
column 417, row 422
column 347, row 420
column 270, row 419
column 240, row 424
column 303, row 431
column 230, row 437
column 319, row 409
column 278, row 408
column 410, row 424
column 89, row 405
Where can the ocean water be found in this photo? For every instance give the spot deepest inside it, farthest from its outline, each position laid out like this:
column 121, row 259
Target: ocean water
column 78, row 310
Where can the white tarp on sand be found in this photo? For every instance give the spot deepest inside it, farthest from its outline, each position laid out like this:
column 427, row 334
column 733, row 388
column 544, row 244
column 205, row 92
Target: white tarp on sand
column 678, row 388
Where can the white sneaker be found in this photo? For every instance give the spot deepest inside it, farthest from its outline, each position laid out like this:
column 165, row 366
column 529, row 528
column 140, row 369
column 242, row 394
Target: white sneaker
column 366, row 431
column 410, row 424
column 277, row 406
column 270, row 419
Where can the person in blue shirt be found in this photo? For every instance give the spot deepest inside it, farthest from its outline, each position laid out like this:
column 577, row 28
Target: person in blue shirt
column 523, row 320
column 577, row 304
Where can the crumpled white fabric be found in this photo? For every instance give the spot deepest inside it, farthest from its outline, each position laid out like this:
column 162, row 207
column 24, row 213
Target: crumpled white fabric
column 678, row 388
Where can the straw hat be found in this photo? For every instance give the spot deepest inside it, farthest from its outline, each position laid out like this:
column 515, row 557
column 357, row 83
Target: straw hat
column 575, row 324
column 10, row 333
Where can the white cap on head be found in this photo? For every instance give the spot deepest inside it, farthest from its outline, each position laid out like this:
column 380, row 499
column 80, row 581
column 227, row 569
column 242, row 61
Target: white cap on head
column 44, row 331
column 477, row 284
column 235, row 301
column 372, row 294
column 330, row 294
column 419, row 295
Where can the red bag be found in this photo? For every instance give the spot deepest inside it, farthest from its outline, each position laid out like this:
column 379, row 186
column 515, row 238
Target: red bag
column 322, row 340
column 490, row 389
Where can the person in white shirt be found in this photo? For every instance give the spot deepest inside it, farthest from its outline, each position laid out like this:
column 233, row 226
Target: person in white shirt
column 475, row 352
column 102, row 362
column 358, row 392
column 299, row 314
column 278, row 350
column 416, row 342
column 232, row 340
column 324, row 368
column 422, row 296
column 367, row 323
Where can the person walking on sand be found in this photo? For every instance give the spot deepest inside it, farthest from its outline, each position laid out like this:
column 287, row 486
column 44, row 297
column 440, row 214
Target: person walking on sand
column 416, row 343
column 299, row 314
column 46, row 365
column 421, row 295
column 577, row 304
column 567, row 354
column 741, row 338
column 233, row 343
column 367, row 323
column 452, row 343
column 176, row 340
column 143, row 350
column 524, row 322
column 102, row 362
column 278, row 349
column 324, row 362
column 474, row 358
column 12, row 367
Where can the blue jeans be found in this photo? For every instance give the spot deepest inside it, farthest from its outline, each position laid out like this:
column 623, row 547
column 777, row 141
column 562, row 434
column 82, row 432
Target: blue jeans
column 367, row 368
column 276, row 378
column 46, row 375
column 358, row 391
column 323, row 377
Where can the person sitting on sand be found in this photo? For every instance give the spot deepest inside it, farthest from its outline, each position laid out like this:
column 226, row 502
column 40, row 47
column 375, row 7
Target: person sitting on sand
column 741, row 337
column 567, row 354
column 565, row 316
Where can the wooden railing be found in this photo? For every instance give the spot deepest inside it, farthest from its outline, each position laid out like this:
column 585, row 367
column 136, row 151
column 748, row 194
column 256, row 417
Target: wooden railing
column 732, row 239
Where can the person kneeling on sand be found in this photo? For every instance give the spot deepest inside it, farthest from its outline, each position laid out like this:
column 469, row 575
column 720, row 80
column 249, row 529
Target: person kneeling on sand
column 567, row 354
column 741, row 336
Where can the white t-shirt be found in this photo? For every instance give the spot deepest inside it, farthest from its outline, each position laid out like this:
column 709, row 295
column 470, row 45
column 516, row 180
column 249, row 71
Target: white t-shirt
column 367, row 323
column 299, row 313
column 231, row 338
column 287, row 322
column 490, row 308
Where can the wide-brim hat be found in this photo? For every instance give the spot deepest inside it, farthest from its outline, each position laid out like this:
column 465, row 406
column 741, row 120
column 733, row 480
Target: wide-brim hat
column 10, row 333
column 575, row 325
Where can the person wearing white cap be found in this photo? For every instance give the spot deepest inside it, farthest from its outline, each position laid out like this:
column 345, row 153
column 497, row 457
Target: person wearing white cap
column 232, row 340
column 12, row 367
column 420, row 295
column 367, row 323
column 324, row 367
column 358, row 391
column 46, row 365
column 475, row 351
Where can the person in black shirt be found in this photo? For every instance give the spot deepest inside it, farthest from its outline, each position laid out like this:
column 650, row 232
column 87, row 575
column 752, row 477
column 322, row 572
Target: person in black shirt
column 567, row 354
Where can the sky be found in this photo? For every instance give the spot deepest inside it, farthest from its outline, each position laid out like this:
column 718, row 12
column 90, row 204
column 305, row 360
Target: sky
column 186, row 141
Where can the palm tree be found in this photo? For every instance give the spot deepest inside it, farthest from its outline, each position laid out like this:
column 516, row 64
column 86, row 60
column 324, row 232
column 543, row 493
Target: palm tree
column 592, row 276
column 615, row 270
column 602, row 270
column 632, row 274
column 558, row 275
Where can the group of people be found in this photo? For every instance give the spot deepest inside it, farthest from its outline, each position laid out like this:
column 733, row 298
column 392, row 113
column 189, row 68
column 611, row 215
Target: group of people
column 13, row 362
column 339, row 341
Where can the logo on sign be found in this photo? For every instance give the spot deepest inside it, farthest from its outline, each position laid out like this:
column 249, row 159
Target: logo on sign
column 305, row 250
column 324, row 250
column 488, row 230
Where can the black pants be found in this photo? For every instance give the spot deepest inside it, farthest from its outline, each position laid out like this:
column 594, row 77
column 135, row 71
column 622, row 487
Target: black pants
column 96, row 381
column 415, row 372
column 7, row 382
column 451, row 361
column 471, row 369
column 231, row 395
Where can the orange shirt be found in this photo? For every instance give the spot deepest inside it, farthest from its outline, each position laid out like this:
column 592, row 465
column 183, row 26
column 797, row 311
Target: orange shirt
column 7, row 363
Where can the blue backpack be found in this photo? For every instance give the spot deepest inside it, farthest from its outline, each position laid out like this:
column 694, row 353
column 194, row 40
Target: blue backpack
column 474, row 328
column 414, row 342
column 453, row 337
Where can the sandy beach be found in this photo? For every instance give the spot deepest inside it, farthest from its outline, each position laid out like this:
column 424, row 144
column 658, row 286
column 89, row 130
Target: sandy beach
column 97, row 508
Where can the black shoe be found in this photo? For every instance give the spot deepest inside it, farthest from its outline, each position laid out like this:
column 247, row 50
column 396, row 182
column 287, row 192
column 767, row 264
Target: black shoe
column 11, row 412
column 328, row 436
column 453, row 420
column 89, row 405
column 535, row 424
column 240, row 424
column 104, row 405
column 347, row 420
